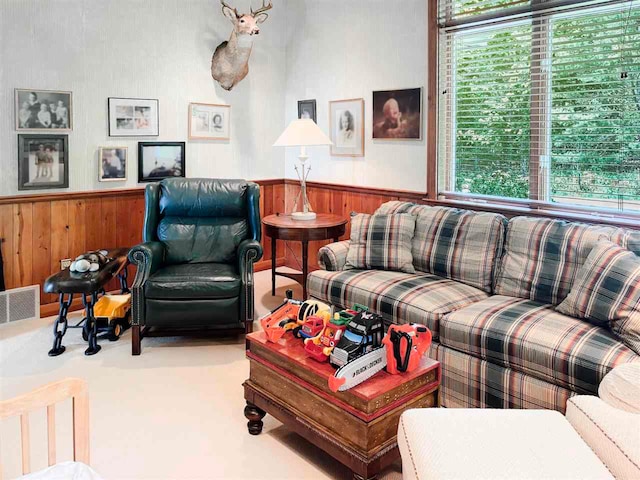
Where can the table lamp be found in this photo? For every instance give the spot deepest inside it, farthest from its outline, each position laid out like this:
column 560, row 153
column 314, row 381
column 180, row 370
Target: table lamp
column 302, row 133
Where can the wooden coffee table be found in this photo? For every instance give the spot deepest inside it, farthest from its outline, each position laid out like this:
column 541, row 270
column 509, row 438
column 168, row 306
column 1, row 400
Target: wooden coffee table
column 357, row 427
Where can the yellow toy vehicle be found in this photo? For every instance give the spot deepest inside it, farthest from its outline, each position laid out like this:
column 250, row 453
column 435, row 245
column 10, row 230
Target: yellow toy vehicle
column 113, row 315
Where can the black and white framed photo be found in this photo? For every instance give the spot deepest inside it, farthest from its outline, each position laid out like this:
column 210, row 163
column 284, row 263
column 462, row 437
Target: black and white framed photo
column 158, row 160
column 397, row 114
column 209, row 121
column 346, row 120
column 112, row 164
column 43, row 161
column 133, row 117
column 43, row 110
column 307, row 109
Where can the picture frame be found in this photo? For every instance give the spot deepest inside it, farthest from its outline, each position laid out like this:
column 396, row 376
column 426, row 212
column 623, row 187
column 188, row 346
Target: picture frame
column 159, row 160
column 397, row 114
column 133, row 117
column 112, row 164
column 346, row 127
column 43, row 110
column 307, row 109
column 43, row 162
column 208, row 121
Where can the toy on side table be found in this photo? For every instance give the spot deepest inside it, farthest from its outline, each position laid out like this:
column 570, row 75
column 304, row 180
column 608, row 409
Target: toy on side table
column 320, row 347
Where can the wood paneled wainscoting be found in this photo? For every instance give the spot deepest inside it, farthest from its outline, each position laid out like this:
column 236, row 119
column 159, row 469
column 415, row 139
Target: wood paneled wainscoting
column 37, row 231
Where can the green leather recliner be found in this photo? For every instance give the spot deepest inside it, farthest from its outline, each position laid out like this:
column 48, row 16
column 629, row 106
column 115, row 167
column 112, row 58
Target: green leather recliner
column 195, row 267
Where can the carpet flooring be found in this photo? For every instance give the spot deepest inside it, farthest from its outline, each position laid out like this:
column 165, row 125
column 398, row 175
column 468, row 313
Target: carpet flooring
column 175, row 412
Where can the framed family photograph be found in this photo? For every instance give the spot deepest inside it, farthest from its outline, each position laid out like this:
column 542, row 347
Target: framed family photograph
column 397, row 114
column 112, row 165
column 158, row 160
column 307, row 109
column 133, row 117
column 346, row 125
column 43, row 110
column 209, row 121
column 43, row 161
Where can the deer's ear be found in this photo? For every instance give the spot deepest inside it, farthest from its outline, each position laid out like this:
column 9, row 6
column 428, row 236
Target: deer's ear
column 230, row 13
column 261, row 17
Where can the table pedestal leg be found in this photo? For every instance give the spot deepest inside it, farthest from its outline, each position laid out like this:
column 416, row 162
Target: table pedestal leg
column 60, row 326
column 305, row 267
column 91, row 325
column 273, row 266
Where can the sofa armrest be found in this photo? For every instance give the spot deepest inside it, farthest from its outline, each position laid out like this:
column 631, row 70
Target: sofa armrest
column 249, row 252
column 613, row 434
column 147, row 257
column 333, row 257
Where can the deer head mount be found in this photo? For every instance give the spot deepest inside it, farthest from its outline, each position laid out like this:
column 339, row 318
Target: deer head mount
column 230, row 61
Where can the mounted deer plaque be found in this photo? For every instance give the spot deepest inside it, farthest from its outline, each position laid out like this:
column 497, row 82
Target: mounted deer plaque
column 230, row 61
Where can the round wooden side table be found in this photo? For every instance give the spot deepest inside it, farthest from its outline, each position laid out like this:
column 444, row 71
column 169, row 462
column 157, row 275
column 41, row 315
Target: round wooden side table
column 283, row 227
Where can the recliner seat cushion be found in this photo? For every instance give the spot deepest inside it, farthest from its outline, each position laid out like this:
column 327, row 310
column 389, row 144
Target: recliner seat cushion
column 194, row 281
column 532, row 338
column 398, row 297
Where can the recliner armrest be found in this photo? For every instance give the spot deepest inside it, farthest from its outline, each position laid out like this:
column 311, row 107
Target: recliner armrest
column 249, row 252
column 148, row 257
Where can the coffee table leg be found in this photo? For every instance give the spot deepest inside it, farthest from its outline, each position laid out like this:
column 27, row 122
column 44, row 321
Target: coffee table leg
column 255, row 416
column 273, row 266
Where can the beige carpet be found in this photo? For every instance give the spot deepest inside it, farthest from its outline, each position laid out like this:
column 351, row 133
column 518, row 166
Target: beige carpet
column 175, row 412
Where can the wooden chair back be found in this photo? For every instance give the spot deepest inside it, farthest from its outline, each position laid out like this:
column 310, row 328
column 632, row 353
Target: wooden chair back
column 47, row 396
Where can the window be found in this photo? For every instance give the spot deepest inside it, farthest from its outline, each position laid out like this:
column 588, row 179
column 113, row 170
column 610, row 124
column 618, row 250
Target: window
column 540, row 100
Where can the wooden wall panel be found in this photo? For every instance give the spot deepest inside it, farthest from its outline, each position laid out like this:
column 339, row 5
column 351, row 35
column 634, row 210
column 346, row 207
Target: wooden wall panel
column 22, row 244
column 6, row 243
column 41, row 243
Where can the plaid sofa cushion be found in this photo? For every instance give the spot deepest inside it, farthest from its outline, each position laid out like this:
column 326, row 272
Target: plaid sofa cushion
column 532, row 338
column 459, row 244
column 396, row 206
column 333, row 257
column 381, row 241
column 398, row 297
column 542, row 256
column 629, row 239
column 607, row 292
column 469, row 382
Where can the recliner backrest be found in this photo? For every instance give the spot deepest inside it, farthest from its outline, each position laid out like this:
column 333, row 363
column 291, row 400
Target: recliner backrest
column 202, row 220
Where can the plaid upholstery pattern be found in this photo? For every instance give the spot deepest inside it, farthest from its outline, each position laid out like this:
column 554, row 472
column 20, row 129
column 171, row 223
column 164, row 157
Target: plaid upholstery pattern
column 398, row 297
column 381, row 241
column 459, row 244
column 396, row 206
column 469, row 382
column 532, row 338
column 607, row 292
column 542, row 257
column 333, row 257
column 629, row 239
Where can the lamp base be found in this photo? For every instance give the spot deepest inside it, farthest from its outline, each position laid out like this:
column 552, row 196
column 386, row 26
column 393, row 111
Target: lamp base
column 303, row 216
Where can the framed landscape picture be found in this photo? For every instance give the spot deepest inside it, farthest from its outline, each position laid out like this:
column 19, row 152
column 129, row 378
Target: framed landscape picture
column 397, row 114
column 307, row 109
column 112, row 164
column 43, row 110
column 346, row 125
column 209, row 121
column 158, row 160
column 43, row 161
column 133, row 117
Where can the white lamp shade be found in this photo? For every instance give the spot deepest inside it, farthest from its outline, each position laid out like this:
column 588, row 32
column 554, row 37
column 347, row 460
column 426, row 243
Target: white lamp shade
column 302, row 133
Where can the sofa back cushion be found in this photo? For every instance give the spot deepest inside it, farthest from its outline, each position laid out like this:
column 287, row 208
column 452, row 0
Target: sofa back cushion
column 396, row 206
column 542, row 257
column 629, row 239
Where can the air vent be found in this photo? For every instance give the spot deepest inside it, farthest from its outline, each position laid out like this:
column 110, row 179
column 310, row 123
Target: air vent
column 20, row 304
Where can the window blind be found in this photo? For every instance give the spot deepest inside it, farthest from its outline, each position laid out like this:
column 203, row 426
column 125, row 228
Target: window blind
column 541, row 101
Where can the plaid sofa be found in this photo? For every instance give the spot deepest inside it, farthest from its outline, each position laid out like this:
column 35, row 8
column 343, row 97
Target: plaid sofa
column 487, row 288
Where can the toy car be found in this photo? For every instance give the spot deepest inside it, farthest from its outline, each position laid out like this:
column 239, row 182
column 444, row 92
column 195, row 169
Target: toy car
column 320, row 347
column 112, row 313
column 364, row 332
column 308, row 309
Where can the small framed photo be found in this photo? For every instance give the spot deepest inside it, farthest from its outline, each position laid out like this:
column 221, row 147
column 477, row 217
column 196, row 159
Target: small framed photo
column 307, row 109
column 397, row 114
column 209, row 121
column 133, row 117
column 158, row 160
column 112, row 164
column 346, row 120
column 43, row 110
column 43, row 161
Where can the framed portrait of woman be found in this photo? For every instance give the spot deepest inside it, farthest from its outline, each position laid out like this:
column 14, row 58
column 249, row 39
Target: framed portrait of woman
column 346, row 125
column 209, row 121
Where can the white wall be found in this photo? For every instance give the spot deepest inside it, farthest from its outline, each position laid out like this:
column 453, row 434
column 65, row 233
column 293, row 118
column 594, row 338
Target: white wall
column 346, row 49
column 141, row 48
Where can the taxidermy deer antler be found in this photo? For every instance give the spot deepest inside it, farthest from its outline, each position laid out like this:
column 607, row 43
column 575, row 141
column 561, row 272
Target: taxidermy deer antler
column 230, row 61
